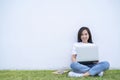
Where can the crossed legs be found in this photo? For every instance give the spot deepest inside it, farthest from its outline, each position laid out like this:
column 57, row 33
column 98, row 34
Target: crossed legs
column 87, row 71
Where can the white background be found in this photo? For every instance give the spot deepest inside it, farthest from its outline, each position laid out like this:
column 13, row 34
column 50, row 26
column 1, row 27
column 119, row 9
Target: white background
column 39, row 34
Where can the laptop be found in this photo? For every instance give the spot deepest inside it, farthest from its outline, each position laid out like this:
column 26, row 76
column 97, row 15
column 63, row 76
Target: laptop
column 87, row 53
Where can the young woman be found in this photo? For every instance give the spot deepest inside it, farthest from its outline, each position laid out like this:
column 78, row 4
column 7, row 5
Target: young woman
column 89, row 69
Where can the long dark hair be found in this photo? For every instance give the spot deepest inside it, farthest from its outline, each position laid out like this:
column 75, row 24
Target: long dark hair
column 80, row 33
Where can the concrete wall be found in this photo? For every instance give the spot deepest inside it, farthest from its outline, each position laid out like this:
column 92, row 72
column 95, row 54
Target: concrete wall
column 39, row 34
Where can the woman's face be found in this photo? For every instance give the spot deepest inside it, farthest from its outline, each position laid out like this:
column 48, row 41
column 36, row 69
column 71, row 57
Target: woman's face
column 85, row 36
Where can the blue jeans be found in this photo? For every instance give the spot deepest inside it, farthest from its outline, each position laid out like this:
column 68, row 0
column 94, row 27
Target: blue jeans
column 93, row 69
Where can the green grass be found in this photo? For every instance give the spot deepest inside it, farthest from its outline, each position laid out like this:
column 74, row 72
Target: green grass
column 47, row 75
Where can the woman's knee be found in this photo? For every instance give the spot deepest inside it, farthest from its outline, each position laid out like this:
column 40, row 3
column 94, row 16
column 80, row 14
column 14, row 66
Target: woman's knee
column 106, row 64
column 73, row 65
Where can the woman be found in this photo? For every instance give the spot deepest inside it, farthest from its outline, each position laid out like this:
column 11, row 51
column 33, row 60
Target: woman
column 89, row 69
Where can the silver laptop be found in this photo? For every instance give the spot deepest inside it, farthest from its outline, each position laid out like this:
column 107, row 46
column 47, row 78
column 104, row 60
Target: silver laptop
column 87, row 52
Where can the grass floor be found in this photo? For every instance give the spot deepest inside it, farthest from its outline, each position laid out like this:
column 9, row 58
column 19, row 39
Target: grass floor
column 47, row 75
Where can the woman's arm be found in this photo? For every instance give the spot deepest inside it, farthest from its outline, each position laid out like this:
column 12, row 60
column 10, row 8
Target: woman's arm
column 74, row 57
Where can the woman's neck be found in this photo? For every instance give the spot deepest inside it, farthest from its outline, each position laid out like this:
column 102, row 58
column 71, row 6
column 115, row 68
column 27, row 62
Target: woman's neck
column 84, row 42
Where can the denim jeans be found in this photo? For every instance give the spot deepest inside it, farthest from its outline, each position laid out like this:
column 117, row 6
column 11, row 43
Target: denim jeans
column 93, row 69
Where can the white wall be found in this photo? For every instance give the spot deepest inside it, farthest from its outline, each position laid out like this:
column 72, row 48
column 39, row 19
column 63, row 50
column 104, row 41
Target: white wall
column 38, row 34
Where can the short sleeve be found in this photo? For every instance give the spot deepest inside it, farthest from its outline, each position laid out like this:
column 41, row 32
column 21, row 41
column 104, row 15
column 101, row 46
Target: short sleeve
column 73, row 49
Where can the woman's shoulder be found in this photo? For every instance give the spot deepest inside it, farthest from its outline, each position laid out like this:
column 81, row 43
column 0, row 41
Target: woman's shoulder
column 77, row 43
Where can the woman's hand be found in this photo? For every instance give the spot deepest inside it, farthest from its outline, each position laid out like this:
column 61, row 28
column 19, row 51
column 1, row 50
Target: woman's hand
column 74, row 57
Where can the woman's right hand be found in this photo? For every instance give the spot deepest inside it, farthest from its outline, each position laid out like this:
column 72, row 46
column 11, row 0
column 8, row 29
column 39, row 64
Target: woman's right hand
column 74, row 57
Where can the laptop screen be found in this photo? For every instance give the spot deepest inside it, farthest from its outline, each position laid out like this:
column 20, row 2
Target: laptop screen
column 86, row 52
